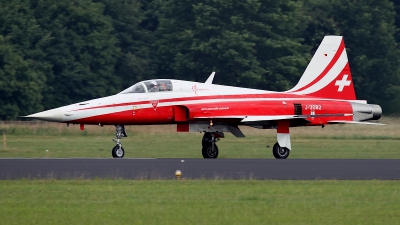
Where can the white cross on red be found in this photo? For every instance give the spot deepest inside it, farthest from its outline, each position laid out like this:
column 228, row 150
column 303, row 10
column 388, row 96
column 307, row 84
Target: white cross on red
column 343, row 82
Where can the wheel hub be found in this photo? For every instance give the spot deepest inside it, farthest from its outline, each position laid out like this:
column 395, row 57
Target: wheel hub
column 211, row 151
column 119, row 152
column 282, row 151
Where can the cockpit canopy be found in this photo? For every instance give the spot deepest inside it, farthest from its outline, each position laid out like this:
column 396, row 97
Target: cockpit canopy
column 149, row 86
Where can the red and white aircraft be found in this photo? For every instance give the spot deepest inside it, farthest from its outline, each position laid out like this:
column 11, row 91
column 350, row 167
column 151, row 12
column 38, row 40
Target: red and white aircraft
column 324, row 95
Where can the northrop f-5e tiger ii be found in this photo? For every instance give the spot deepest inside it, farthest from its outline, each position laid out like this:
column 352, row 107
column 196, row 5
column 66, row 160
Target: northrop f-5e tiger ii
column 324, row 95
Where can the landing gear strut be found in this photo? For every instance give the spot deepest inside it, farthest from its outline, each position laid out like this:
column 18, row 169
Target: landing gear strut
column 280, row 152
column 118, row 151
column 210, row 149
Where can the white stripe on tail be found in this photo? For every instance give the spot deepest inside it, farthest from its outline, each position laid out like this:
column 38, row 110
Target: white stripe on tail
column 328, row 74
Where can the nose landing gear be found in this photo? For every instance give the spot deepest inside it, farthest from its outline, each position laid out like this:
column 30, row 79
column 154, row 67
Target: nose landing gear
column 118, row 151
column 210, row 149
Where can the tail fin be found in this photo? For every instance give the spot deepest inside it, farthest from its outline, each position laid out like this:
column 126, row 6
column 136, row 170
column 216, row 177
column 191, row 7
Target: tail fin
column 328, row 74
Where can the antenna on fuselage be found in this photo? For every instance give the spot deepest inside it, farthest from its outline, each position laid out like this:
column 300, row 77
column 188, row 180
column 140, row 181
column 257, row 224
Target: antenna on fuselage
column 210, row 78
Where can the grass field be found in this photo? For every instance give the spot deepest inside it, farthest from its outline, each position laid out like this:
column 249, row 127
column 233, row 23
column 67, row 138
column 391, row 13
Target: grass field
column 32, row 139
column 199, row 202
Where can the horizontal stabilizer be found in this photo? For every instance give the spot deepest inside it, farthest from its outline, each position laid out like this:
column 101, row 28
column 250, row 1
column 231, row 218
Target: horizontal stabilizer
column 353, row 122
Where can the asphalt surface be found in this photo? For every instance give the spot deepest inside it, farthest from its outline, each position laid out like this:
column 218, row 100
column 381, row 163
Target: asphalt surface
column 272, row 169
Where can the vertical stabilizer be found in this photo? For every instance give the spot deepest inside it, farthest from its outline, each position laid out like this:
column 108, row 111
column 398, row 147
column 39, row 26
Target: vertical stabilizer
column 328, row 74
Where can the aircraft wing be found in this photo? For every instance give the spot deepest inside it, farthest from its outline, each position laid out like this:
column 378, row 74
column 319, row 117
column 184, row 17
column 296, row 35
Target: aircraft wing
column 252, row 118
column 269, row 118
column 304, row 118
column 353, row 122
column 288, row 117
column 264, row 118
column 220, row 117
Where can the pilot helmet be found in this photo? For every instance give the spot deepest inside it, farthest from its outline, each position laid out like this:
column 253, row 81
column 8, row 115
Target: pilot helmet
column 153, row 84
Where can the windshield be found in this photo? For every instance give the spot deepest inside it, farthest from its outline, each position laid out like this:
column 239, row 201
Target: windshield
column 149, row 86
column 137, row 88
column 158, row 85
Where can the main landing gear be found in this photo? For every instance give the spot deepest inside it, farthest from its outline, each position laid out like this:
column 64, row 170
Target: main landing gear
column 118, row 151
column 280, row 152
column 210, row 149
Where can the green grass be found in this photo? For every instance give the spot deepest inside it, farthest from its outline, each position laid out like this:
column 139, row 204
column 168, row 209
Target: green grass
column 199, row 202
column 31, row 140
column 189, row 146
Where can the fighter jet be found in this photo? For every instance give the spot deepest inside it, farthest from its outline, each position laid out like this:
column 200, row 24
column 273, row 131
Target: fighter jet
column 323, row 96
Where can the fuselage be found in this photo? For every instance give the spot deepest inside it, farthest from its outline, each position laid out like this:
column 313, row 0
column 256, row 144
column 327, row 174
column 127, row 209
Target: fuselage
column 186, row 102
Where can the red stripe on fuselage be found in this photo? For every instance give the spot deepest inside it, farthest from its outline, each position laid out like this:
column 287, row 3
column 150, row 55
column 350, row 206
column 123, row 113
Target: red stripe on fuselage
column 212, row 97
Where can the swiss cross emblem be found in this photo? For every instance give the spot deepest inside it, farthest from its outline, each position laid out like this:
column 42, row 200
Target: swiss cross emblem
column 342, row 83
column 154, row 103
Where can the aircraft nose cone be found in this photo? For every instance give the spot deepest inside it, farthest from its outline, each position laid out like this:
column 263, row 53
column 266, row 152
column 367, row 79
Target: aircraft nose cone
column 54, row 115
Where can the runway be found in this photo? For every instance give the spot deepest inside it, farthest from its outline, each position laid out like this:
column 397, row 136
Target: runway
column 271, row 169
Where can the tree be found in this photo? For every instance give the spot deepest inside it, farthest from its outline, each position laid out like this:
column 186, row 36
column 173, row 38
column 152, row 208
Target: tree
column 22, row 73
column 396, row 5
column 248, row 43
column 82, row 51
column 134, row 38
column 369, row 35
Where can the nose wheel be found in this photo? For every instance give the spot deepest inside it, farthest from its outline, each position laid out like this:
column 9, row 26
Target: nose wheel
column 210, row 152
column 210, row 149
column 118, row 151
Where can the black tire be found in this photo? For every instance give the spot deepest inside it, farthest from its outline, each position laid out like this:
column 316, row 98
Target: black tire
column 118, row 152
column 207, row 139
column 209, row 152
column 279, row 152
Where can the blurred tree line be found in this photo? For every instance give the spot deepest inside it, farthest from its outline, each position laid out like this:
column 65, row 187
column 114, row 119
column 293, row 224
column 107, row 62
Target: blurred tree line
column 54, row 53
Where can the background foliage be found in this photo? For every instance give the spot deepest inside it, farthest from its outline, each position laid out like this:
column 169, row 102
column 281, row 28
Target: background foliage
column 54, row 53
